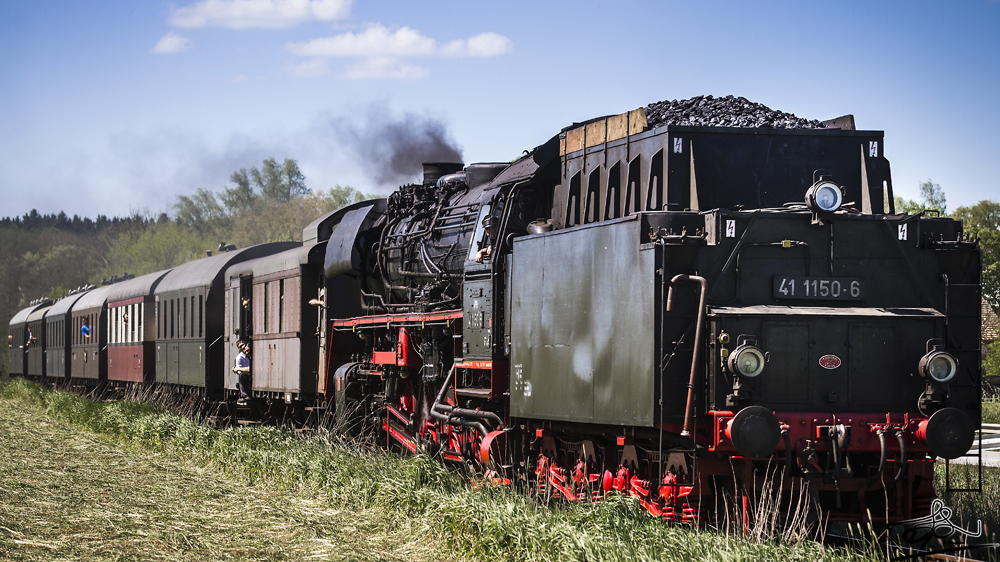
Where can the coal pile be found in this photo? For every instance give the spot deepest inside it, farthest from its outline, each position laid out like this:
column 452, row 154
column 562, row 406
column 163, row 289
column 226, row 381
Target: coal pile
column 729, row 111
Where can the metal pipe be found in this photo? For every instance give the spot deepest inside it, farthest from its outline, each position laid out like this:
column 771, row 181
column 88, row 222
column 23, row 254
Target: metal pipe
column 454, row 226
column 420, row 275
column 788, row 452
column 881, row 463
column 440, row 396
column 902, row 456
column 698, row 343
column 469, row 423
column 467, row 413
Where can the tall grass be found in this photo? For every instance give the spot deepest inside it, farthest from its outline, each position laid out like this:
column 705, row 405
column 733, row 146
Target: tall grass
column 416, row 492
column 991, row 404
column 969, row 508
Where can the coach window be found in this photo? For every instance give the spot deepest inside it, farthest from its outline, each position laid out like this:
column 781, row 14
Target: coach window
column 171, row 318
column 201, row 316
column 267, row 307
column 281, row 305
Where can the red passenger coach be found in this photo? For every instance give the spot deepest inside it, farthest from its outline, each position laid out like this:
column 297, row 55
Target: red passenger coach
column 131, row 329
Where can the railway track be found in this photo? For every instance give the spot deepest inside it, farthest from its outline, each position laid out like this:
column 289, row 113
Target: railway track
column 989, row 440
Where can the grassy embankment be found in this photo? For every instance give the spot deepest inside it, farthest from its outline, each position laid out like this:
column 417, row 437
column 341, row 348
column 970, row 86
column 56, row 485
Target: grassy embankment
column 316, row 495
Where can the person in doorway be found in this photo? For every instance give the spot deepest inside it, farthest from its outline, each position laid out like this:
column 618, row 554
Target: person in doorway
column 486, row 246
column 29, row 341
column 242, row 368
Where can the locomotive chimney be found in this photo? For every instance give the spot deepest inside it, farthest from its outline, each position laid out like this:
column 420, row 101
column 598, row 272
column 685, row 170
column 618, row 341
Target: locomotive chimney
column 434, row 170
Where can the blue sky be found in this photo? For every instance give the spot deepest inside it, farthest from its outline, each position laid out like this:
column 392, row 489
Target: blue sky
column 111, row 107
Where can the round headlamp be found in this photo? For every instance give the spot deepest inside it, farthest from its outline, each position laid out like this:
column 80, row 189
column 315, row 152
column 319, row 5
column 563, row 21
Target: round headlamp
column 824, row 196
column 938, row 366
column 746, row 360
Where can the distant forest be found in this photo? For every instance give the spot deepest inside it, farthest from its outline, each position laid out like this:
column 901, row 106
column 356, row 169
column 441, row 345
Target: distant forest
column 50, row 255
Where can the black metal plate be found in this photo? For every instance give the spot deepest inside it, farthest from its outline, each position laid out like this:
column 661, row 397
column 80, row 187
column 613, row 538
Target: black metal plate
column 819, row 288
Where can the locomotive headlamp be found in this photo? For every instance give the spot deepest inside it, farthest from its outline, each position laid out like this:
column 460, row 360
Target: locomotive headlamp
column 746, row 360
column 824, row 196
column 938, row 366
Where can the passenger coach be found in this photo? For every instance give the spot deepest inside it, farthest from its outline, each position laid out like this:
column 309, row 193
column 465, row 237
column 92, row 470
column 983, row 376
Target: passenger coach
column 190, row 319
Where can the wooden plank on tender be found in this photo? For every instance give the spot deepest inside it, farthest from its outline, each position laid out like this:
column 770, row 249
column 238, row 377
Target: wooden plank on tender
column 595, row 133
column 617, row 126
column 562, row 146
column 637, row 121
column 574, row 139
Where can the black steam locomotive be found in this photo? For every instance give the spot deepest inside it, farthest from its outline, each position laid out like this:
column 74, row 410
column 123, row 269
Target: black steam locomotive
column 670, row 312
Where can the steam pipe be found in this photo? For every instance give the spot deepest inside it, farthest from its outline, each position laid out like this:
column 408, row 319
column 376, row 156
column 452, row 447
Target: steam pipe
column 467, row 413
column 437, row 401
column 420, row 275
column 469, row 423
column 698, row 344
column 881, row 463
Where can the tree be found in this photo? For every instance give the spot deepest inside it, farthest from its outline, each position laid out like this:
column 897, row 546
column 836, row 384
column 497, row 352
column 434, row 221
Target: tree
column 200, row 211
column 984, row 215
column 241, row 195
column 343, row 195
column 279, row 184
column 932, row 197
column 907, row 206
column 982, row 220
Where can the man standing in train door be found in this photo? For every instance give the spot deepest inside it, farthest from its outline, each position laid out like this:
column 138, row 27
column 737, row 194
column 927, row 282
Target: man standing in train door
column 242, row 368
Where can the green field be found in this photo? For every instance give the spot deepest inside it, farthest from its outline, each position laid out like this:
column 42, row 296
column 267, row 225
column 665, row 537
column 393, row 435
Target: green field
column 89, row 481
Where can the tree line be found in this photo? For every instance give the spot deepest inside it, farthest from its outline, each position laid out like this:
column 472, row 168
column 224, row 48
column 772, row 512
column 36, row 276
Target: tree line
column 50, row 255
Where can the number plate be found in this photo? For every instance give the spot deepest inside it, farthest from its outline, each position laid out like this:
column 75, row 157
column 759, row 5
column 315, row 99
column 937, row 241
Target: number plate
column 819, row 288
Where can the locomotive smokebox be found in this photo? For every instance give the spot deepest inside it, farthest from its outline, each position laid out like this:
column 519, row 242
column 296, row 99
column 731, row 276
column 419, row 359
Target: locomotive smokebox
column 434, row 170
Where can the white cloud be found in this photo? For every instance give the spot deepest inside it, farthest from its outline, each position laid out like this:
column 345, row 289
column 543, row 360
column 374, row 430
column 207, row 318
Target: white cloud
column 172, row 43
column 247, row 14
column 378, row 51
column 374, row 42
column 487, row 44
column 384, row 67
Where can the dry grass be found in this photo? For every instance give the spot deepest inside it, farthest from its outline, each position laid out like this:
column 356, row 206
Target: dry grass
column 259, row 493
column 69, row 495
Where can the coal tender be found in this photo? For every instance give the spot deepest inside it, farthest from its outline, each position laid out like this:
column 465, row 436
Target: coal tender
column 672, row 303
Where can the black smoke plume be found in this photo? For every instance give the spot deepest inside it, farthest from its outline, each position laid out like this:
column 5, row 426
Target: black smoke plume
column 392, row 148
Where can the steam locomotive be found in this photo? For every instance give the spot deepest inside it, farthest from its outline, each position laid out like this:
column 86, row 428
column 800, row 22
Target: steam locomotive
column 677, row 313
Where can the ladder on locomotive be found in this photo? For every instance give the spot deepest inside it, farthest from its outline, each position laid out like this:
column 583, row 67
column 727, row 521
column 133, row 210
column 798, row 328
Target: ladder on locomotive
column 952, row 290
